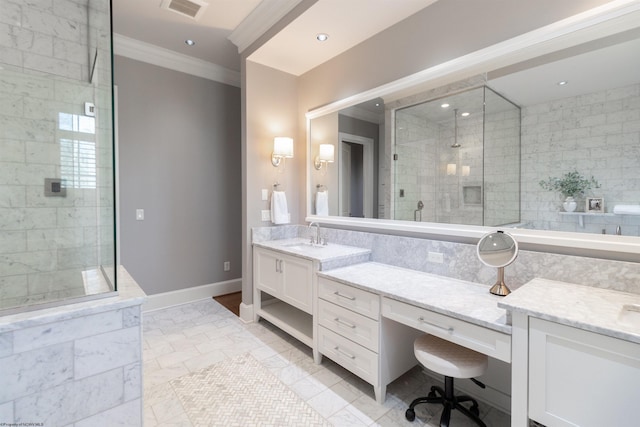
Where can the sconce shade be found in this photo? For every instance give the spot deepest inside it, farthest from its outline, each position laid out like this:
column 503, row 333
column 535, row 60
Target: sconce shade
column 326, row 153
column 451, row 169
column 282, row 148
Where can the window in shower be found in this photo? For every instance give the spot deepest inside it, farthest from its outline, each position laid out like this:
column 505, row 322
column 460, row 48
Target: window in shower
column 77, row 150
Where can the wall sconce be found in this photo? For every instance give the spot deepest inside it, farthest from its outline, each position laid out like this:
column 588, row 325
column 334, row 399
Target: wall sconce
column 451, row 169
column 326, row 155
column 282, row 149
column 466, row 170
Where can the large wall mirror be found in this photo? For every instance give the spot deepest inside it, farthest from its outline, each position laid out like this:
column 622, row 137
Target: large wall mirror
column 473, row 151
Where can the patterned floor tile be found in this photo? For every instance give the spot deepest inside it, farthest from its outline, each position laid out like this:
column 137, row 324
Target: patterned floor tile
column 233, row 393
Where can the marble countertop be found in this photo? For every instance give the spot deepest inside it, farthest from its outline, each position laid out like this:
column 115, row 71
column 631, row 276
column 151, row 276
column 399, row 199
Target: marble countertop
column 329, row 256
column 584, row 307
column 463, row 300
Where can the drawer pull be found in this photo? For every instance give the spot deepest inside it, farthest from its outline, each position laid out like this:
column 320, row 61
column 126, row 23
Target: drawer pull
column 449, row 329
column 350, row 298
column 344, row 353
column 342, row 322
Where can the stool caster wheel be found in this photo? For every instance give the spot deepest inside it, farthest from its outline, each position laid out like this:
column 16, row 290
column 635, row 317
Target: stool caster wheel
column 474, row 410
column 410, row 415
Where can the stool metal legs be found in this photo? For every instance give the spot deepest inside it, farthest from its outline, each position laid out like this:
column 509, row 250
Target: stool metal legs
column 450, row 401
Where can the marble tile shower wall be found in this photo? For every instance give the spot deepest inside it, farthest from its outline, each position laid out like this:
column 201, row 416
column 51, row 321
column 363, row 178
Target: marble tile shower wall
column 46, row 70
column 501, row 153
column 461, row 261
column 79, row 368
column 598, row 134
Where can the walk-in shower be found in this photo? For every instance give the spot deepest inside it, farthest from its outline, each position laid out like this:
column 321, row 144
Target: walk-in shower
column 57, row 210
column 460, row 156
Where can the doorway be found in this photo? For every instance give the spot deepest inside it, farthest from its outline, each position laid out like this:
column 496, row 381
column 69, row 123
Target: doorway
column 355, row 176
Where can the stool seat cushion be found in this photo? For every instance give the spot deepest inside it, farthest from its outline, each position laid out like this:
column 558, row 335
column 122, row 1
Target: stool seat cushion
column 449, row 359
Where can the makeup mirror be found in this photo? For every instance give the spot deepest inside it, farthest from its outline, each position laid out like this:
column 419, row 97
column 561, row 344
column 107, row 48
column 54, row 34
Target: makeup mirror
column 498, row 249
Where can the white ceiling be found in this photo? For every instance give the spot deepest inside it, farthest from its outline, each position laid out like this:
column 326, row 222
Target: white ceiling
column 144, row 20
column 293, row 50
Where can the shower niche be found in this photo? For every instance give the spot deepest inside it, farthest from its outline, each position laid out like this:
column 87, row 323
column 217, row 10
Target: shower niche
column 460, row 155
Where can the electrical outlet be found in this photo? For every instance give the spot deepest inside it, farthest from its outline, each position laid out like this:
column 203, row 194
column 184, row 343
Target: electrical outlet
column 265, row 194
column 436, row 257
column 140, row 214
column 265, row 215
column 227, row 265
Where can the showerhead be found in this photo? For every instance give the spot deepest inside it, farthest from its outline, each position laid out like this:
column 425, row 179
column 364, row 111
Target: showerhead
column 455, row 129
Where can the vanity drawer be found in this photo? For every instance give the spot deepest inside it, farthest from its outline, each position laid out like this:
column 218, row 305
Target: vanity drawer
column 353, row 326
column 363, row 302
column 349, row 355
column 484, row 340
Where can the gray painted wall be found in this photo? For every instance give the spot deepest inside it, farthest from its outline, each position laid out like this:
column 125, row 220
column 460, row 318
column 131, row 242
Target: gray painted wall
column 179, row 160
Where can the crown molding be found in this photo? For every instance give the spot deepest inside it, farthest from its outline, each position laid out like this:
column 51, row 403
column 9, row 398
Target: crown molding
column 152, row 54
column 263, row 17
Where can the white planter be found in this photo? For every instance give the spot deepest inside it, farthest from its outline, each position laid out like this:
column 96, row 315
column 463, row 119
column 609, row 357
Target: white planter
column 569, row 204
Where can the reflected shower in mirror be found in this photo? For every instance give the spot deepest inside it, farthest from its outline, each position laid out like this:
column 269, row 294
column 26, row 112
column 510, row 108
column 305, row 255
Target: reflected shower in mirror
column 460, row 155
column 465, row 174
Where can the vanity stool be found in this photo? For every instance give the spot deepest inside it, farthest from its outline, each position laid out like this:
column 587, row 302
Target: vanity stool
column 452, row 361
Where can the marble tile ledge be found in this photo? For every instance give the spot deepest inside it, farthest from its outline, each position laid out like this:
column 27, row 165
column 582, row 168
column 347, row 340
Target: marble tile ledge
column 129, row 294
column 584, row 307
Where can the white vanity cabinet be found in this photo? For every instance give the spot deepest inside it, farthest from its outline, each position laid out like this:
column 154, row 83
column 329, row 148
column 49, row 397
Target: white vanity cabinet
column 289, row 281
column 348, row 329
column 581, row 378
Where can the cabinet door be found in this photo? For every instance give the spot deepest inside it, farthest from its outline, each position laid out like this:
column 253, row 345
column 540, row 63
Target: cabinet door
column 580, row 378
column 297, row 282
column 266, row 272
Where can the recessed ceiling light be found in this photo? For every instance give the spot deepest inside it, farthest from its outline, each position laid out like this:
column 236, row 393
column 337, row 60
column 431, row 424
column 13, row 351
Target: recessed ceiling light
column 377, row 104
column 322, row 37
column 189, row 42
column 465, row 114
column 562, row 83
column 445, row 105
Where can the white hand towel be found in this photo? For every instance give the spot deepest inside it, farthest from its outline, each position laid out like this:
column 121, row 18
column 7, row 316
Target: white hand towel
column 279, row 211
column 322, row 203
column 626, row 209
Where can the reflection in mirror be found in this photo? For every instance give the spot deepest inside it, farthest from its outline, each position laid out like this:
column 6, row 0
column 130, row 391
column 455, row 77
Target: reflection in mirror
column 591, row 124
column 498, row 249
column 460, row 155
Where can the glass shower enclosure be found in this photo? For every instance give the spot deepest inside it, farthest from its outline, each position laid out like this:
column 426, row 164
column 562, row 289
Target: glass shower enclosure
column 457, row 160
column 57, row 199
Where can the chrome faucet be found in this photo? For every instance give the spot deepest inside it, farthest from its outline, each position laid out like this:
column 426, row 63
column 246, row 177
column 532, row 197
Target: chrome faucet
column 619, row 231
column 317, row 240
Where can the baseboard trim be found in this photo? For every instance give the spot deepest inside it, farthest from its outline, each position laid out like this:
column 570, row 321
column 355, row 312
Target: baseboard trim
column 184, row 296
column 246, row 312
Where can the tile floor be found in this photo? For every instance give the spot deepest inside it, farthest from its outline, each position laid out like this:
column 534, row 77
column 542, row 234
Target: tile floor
column 187, row 338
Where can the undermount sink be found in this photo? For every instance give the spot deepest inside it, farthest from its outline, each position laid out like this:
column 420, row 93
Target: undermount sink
column 630, row 315
column 299, row 246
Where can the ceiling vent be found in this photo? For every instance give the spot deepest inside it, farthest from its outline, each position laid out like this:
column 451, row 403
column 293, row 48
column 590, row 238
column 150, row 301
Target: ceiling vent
column 191, row 8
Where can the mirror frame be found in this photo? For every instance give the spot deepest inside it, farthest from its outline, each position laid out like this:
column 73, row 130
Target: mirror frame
column 609, row 19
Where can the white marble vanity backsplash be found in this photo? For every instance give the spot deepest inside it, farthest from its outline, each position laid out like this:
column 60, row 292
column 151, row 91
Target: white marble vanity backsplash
column 461, row 261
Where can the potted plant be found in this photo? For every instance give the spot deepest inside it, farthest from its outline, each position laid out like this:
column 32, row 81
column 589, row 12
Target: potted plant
column 571, row 185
